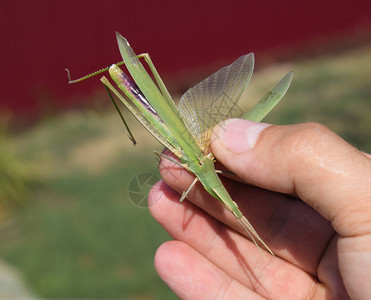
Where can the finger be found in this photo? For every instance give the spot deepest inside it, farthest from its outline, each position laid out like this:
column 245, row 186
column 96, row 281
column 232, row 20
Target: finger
column 292, row 229
column 190, row 275
column 307, row 159
column 226, row 249
column 323, row 170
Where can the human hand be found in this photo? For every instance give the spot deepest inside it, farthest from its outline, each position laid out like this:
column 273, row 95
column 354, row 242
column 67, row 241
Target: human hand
column 308, row 195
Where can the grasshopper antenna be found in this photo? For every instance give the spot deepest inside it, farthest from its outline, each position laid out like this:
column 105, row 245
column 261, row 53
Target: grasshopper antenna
column 70, row 81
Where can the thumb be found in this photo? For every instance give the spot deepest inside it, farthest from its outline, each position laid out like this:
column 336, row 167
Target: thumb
column 308, row 160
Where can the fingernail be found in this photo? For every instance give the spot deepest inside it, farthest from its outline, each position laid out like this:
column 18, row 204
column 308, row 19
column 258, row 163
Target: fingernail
column 239, row 135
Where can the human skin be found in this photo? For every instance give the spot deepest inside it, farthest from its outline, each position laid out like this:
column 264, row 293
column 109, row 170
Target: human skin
column 306, row 192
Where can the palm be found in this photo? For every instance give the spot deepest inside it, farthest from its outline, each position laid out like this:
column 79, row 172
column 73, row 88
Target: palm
column 305, row 265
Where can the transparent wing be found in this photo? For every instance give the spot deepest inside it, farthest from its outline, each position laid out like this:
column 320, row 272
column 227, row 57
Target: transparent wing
column 214, row 99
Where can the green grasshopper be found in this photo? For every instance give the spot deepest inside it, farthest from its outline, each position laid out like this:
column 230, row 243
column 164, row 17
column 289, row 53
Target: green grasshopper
column 185, row 129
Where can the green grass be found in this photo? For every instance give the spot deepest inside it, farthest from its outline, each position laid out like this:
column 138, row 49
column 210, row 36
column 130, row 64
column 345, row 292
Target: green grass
column 14, row 175
column 79, row 236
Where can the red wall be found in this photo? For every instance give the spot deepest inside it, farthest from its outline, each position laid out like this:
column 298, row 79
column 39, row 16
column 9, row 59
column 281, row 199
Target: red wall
column 40, row 38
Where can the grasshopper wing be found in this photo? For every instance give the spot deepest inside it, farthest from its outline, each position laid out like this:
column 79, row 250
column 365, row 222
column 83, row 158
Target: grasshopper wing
column 214, row 99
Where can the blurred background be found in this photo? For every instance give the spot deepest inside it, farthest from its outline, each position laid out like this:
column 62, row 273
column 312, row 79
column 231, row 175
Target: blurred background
column 68, row 227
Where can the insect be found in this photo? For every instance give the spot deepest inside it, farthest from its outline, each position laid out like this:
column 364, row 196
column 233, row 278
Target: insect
column 185, row 129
